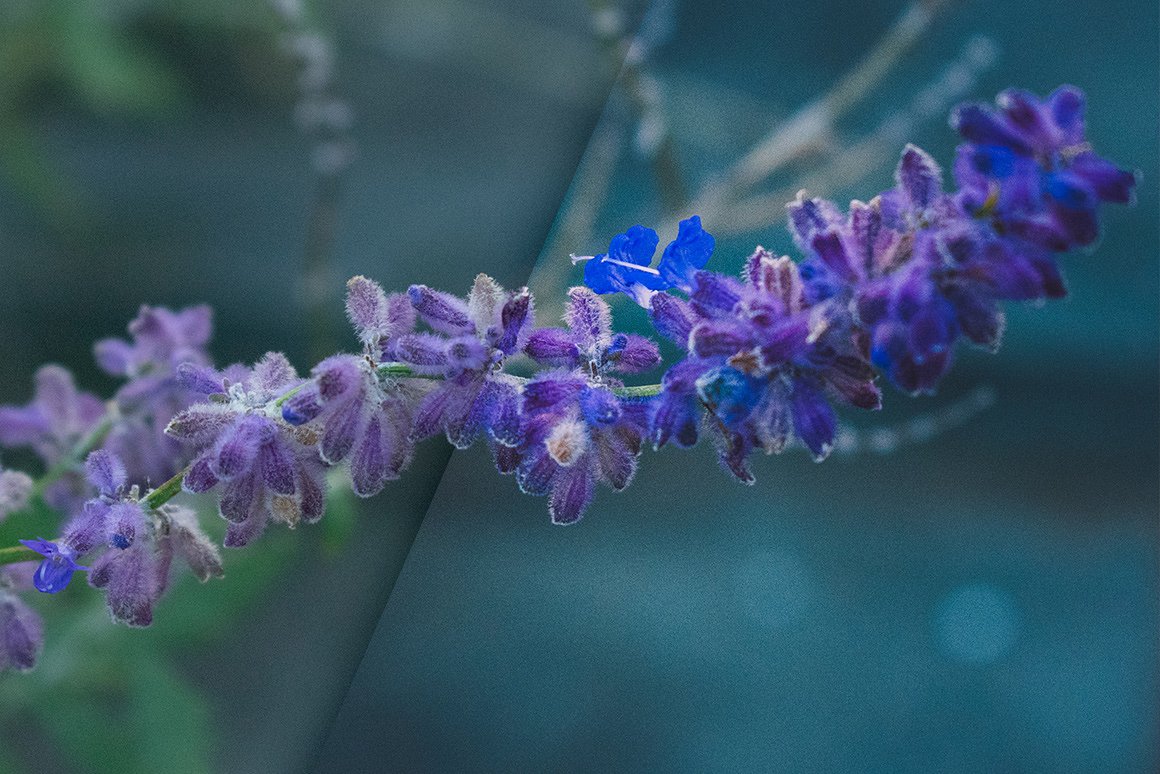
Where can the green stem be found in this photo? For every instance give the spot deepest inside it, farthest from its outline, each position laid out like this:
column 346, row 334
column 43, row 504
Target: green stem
column 171, row 488
column 402, row 370
column 14, row 554
column 641, row 391
column 152, row 501
column 76, row 455
column 165, row 492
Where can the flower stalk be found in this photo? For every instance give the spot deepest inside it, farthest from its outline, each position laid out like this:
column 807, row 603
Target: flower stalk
column 886, row 291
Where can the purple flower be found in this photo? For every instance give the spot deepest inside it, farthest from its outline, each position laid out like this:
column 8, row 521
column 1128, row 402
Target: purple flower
column 106, row 472
column 762, row 362
column 574, row 434
column 134, row 569
column 268, row 469
column 21, row 634
column 364, row 421
column 182, row 535
column 56, row 569
column 378, row 319
column 627, row 266
column 133, row 550
column 919, row 272
column 589, row 343
column 136, row 575
column 52, row 424
column 162, row 343
column 472, row 340
column 136, row 548
column 574, row 429
column 55, row 420
column 132, row 581
column 1030, row 168
column 103, row 520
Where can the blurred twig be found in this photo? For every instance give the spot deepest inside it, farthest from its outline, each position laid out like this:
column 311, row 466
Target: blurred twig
column 852, row 162
column 808, row 131
column 326, row 120
column 851, row 441
column 631, row 51
column 813, row 125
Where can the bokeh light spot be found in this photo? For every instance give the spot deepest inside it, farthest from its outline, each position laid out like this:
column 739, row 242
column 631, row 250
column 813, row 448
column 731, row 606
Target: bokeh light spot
column 977, row 623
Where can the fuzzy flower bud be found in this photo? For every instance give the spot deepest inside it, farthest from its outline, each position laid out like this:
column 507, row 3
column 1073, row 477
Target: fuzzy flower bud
column 21, row 634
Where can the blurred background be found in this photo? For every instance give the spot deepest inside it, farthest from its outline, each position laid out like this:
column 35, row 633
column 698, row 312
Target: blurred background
column 969, row 584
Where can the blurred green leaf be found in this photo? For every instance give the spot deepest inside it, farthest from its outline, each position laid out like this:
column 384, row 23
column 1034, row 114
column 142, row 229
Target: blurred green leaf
column 111, row 73
column 169, row 720
column 193, row 612
column 36, row 520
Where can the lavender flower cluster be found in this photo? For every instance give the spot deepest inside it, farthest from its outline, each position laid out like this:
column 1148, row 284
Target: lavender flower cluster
column 887, row 287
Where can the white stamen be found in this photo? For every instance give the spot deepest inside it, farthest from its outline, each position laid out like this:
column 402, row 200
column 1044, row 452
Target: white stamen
column 817, row 329
column 635, row 266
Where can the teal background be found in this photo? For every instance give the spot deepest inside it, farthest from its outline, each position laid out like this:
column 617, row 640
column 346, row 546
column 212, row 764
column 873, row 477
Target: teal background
column 984, row 601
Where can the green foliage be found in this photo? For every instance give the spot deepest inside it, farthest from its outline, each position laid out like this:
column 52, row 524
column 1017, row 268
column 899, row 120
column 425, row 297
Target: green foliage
column 96, row 54
column 106, row 698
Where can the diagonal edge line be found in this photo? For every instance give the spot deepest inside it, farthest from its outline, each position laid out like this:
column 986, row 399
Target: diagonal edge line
column 603, row 128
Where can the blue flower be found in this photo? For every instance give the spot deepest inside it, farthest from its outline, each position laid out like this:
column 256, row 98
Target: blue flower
column 57, row 568
column 627, row 266
column 686, row 254
column 1028, row 165
column 762, row 362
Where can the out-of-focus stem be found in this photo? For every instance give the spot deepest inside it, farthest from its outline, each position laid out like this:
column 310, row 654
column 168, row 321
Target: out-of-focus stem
column 813, row 124
column 325, row 121
column 321, row 231
column 77, row 454
column 851, row 164
column 629, row 52
column 16, row 554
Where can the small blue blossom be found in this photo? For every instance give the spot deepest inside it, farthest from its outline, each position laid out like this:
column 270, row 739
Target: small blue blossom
column 686, row 255
column 56, row 569
column 627, row 266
